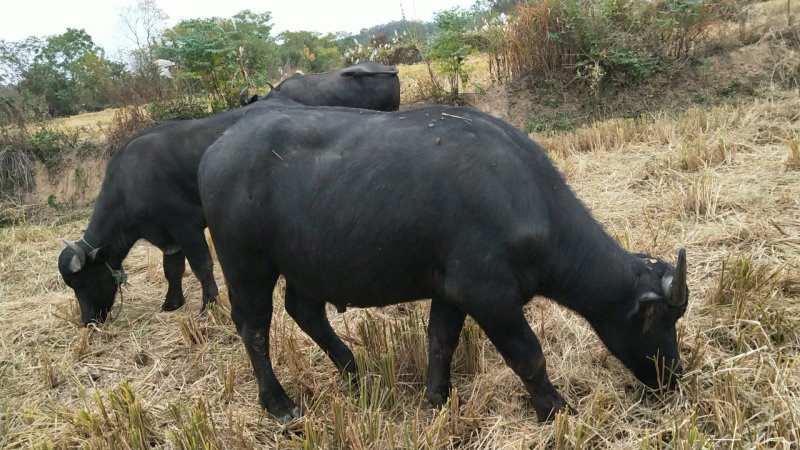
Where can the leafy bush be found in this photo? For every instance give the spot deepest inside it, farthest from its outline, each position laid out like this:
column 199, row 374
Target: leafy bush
column 45, row 144
column 602, row 42
column 176, row 109
column 550, row 124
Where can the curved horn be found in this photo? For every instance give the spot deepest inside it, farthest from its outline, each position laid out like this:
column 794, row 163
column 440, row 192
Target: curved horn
column 243, row 96
column 270, row 85
column 78, row 259
column 677, row 289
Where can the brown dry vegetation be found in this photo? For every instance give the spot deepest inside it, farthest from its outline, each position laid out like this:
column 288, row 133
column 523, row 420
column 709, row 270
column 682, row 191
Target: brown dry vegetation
column 716, row 181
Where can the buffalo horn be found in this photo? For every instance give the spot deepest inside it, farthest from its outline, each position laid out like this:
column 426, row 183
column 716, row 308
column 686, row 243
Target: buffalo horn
column 243, row 96
column 270, row 85
column 677, row 289
column 79, row 257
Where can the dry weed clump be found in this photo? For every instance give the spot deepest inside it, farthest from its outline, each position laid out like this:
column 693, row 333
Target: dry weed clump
column 16, row 169
column 701, row 196
column 181, row 380
column 793, row 161
column 116, row 420
column 125, row 123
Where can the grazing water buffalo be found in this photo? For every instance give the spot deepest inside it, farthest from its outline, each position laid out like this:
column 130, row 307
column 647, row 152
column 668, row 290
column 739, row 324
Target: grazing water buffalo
column 367, row 85
column 371, row 209
column 150, row 191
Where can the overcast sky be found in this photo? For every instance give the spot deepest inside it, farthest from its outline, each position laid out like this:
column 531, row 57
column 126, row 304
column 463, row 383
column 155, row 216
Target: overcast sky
column 22, row 18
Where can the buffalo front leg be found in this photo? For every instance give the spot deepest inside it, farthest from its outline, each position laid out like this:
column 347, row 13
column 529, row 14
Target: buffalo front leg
column 444, row 328
column 311, row 317
column 505, row 325
column 251, row 310
column 193, row 243
column 174, row 267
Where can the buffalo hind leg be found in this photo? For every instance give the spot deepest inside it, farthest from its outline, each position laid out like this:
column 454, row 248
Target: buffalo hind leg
column 310, row 315
column 505, row 325
column 251, row 310
column 174, row 266
column 193, row 243
column 444, row 328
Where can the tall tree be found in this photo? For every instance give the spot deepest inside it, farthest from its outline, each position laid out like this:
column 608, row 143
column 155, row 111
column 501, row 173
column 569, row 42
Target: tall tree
column 449, row 47
column 71, row 72
column 142, row 24
column 219, row 55
column 309, row 50
column 16, row 57
column 257, row 53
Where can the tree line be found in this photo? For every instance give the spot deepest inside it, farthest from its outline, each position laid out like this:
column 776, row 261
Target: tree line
column 215, row 57
column 199, row 65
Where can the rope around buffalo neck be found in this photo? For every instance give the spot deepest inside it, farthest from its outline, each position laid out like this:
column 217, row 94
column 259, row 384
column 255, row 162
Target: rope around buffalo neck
column 120, row 277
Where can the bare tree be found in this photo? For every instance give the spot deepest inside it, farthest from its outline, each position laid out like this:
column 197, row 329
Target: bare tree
column 141, row 24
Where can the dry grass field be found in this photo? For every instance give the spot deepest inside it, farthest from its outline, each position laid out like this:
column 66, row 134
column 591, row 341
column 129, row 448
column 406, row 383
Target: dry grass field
column 723, row 182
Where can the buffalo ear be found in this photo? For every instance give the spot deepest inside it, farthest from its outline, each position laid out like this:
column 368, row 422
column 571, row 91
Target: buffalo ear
column 78, row 259
column 643, row 303
column 75, row 265
column 93, row 254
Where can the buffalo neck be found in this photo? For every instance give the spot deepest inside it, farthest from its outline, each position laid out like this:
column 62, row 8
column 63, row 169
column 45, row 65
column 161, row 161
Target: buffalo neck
column 587, row 271
column 107, row 230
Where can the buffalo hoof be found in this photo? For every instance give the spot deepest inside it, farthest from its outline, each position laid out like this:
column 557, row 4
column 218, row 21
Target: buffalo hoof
column 288, row 416
column 208, row 304
column 546, row 409
column 437, row 397
column 172, row 304
column 281, row 407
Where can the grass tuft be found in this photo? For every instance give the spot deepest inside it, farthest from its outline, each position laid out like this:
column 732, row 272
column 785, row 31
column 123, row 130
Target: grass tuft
column 793, row 161
column 116, row 420
column 701, row 197
column 195, row 427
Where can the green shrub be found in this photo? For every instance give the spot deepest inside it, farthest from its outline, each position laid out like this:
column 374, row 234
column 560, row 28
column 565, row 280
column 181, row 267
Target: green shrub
column 550, row 124
column 607, row 42
column 176, row 109
column 45, row 144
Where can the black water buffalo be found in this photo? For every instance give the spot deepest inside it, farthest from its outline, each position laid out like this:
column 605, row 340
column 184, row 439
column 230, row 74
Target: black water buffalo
column 367, row 85
column 150, row 191
column 370, row 209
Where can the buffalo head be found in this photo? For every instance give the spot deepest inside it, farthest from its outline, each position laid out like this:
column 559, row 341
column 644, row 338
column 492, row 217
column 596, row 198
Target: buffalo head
column 86, row 271
column 641, row 333
column 244, row 101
